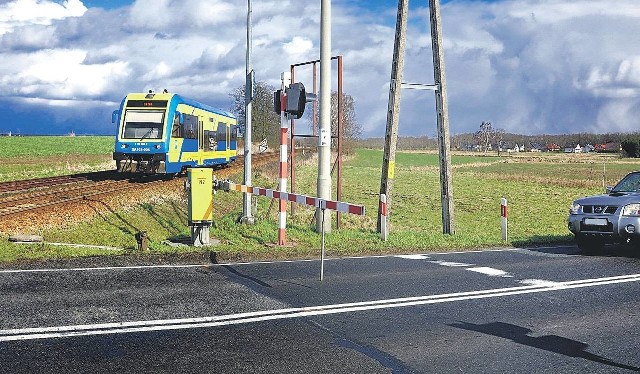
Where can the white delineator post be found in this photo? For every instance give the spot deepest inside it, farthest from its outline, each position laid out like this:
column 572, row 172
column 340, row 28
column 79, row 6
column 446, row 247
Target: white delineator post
column 384, row 231
column 504, row 212
column 284, row 129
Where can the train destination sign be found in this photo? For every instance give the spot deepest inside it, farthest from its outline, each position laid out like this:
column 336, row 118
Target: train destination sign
column 147, row 104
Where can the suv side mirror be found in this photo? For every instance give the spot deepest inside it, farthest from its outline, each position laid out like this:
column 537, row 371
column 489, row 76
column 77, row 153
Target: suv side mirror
column 609, row 189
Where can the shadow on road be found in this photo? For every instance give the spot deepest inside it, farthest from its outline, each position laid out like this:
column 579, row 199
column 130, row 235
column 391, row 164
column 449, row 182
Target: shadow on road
column 551, row 343
column 609, row 250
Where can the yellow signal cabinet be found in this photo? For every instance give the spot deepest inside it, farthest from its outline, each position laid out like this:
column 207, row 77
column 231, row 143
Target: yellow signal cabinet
column 200, row 195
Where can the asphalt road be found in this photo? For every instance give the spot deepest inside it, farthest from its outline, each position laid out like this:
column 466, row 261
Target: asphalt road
column 544, row 310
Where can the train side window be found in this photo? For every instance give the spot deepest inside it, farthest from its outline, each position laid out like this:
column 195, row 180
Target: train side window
column 176, row 130
column 210, row 136
column 222, row 132
column 190, row 127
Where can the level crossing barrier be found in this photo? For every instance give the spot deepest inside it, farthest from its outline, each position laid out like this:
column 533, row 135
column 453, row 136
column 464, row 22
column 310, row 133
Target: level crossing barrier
column 323, row 204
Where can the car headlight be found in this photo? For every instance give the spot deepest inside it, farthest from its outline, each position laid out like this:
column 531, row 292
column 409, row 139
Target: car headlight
column 575, row 208
column 631, row 210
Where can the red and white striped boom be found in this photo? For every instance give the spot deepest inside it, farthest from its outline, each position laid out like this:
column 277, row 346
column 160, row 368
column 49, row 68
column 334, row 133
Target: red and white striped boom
column 317, row 202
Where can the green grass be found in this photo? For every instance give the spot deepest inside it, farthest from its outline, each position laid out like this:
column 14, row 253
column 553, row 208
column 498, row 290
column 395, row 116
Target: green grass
column 539, row 189
column 373, row 158
column 25, row 157
column 31, row 146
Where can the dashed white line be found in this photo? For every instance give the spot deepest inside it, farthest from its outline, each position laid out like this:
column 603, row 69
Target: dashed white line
column 491, row 272
column 450, row 264
column 407, row 256
column 413, row 257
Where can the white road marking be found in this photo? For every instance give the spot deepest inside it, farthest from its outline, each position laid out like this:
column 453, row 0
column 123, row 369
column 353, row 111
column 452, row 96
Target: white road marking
column 450, row 264
column 413, row 257
column 491, row 272
column 538, row 282
column 279, row 314
column 426, row 255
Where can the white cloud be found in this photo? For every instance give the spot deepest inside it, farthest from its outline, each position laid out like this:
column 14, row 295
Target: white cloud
column 298, row 46
column 61, row 74
column 18, row 13
column 160, row 70
column 529, row 66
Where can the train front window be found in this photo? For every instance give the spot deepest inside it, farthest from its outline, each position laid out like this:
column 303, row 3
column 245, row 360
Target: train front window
column 143, row 124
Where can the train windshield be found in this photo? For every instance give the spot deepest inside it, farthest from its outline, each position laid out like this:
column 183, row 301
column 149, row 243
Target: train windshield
column 143, row 124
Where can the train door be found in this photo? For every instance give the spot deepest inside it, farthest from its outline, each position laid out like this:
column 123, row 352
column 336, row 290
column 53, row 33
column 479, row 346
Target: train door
column 210, row 138
column 234, row 138
column 190, row 133
column 223, row 135
column 177, row 139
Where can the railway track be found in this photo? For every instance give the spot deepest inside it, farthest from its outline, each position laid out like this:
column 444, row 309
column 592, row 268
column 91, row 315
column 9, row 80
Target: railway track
column 19, row 197
column 25, row 202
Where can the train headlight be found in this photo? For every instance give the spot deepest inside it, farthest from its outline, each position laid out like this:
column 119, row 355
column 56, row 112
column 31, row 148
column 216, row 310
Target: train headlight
column 157, row 146
column 124, row 146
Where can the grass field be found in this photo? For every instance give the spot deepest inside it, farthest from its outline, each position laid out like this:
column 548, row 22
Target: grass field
column 23, row 157
column 539, row 188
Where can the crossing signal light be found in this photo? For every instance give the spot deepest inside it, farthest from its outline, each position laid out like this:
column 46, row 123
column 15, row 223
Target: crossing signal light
column 277, row 104
column 296, row 99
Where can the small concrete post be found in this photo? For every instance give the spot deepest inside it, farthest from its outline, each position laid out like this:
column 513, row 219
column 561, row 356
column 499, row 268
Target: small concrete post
column 200, row 234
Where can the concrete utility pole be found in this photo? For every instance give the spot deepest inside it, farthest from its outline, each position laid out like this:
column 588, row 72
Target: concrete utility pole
column 393, row 109
column 247, row 216
column 324, row 139
column 442, row 110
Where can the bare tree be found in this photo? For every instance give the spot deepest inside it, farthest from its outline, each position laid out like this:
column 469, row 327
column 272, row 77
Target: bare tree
column 487, row 135
column 265, row 122
column 351, row 128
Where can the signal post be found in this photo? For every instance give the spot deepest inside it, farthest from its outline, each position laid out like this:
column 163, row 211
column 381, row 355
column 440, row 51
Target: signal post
column 289, row 102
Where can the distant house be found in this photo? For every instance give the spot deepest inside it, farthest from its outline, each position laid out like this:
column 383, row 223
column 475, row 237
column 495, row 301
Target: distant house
column 610, row 147
column 572, row 149
column 536, row 147
column 553, row 147
column 588, row 148
column 467, row 147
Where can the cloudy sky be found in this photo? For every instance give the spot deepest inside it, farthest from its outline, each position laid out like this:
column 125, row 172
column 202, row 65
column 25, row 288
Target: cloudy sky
column 528, row 66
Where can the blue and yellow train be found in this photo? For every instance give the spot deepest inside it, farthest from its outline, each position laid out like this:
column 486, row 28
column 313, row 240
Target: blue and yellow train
column 166, row 133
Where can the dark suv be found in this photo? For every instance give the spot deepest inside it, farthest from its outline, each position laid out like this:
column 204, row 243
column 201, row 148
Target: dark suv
column 612, row 217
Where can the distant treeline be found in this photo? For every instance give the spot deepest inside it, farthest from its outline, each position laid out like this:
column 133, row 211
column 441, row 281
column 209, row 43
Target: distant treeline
column 462, row 141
